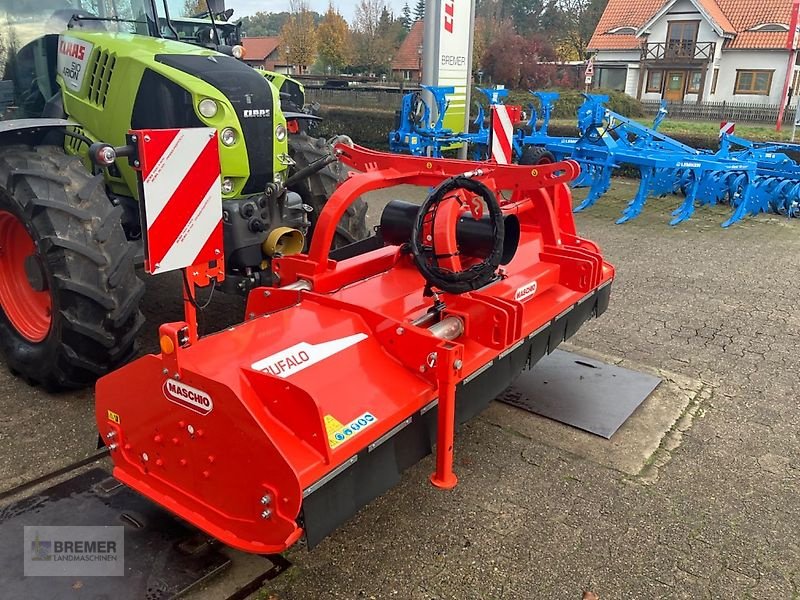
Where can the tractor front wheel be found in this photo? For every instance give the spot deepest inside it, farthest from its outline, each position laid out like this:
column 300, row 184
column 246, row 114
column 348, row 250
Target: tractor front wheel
column 536, row 155
column 69, row 295
column 316, row 189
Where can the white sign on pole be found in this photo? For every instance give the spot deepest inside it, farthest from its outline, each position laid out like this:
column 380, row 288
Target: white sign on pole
column 447, row 55
column 588, row 80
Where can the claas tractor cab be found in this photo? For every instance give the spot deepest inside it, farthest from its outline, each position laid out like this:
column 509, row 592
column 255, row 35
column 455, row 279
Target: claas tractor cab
column 77, row 77
column 208, row 29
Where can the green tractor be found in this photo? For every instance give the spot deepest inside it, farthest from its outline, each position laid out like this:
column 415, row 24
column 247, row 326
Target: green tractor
column 80, row 72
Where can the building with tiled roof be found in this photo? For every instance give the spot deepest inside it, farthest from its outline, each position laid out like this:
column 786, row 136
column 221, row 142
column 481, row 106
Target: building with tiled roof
column 265, row 53
column 407, row 61
column 693, row 50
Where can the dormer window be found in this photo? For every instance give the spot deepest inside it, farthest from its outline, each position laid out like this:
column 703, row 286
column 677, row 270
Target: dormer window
column 622, row 31
column 769, row 27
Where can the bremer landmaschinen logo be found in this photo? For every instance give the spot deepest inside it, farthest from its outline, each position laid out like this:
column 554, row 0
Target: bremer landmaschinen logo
column 80, row 550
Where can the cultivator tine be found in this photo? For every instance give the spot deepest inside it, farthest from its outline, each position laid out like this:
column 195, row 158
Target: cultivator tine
column 636, row 205
column 744, row 193
column 600, row 182
column 686, row 209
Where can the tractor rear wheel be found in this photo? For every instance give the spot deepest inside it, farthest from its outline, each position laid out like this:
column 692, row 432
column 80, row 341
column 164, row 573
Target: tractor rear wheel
column 69, row 294
column 536, row 155
column 316, row 190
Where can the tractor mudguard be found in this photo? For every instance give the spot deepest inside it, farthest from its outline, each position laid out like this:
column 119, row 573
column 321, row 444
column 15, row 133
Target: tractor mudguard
column 33, row 132
column 351, row 371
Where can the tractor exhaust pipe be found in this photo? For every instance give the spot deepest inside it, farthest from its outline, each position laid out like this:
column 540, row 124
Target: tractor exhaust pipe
column 474, row 236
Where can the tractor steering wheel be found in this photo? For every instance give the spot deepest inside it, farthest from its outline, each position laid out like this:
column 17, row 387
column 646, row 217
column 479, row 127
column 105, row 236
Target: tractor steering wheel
column 442, row 267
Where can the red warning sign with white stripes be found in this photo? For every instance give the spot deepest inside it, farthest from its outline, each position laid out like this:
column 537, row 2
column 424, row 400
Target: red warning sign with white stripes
column 727, row 127
column 182, row 197
column 502, row 132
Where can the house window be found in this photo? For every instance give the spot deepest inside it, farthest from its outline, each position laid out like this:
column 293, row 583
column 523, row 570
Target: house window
column 681, row 37
column 654, row 81
column 795, row 83
column 407, row 75
column 693, row 87
column 753, row 82
column 612, row 78
column 714, row 81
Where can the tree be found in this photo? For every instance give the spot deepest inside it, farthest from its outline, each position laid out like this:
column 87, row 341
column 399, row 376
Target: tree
column 531, row 16
column 521, row 62
column 374, row 37
column 264, row 24
column 419, row 10
column 579, row 18
column 194, row 7
column 405, row 17
column 299, row 36
column 334, row 42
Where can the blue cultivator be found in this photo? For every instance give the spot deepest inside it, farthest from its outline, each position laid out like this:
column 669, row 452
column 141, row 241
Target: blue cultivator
column 418, row 134
column 609, row 141
column 777, row 181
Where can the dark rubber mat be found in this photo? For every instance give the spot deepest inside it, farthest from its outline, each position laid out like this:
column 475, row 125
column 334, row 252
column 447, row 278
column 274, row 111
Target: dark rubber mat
column 163, row 556
column 582, row 392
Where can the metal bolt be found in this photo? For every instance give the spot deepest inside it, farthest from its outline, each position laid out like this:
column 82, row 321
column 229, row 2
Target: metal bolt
column 190, row 429
column 266, row 294
column 266, row 499
column 146, row 138
column 134, row 138
column 176, row 377
column 266, row 514
column 251, row 316
column 158, row 266
column 458, row 364
column 145, row 458
column 111, row 435
column 400, row 331
column 112, row 447
column 422, row 368
column 217, row 252
column 136, row 163
column 165, row 371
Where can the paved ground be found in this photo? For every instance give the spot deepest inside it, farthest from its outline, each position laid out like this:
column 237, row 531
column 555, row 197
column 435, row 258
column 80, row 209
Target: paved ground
column 713, row 512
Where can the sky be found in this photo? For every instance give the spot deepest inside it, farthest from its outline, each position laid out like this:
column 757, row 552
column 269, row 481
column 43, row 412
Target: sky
column 347, row 8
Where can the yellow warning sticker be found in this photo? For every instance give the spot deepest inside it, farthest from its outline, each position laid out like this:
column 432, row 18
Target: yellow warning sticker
column 112, row 416
column 338, row 433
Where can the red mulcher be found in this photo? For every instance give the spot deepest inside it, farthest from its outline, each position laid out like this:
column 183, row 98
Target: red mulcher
column 357, row 362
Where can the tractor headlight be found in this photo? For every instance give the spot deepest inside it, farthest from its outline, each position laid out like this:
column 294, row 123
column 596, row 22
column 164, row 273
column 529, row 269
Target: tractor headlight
column 228, row 136
column 238, row 52
column 280, row 132
column 227, row 185
column 208, row 108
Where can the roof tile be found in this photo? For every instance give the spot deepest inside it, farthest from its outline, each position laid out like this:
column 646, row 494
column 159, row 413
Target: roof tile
column 259, row 48
column 407, row 56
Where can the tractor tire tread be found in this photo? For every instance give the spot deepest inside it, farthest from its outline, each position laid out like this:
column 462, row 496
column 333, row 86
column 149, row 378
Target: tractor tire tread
column 90, row 266
column 315, row 191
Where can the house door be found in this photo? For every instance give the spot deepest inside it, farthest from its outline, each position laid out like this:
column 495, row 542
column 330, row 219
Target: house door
column 676, row 84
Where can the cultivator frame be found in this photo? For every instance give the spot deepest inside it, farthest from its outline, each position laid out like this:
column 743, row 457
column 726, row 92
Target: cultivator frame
column 352, row 365
column 750, row 177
